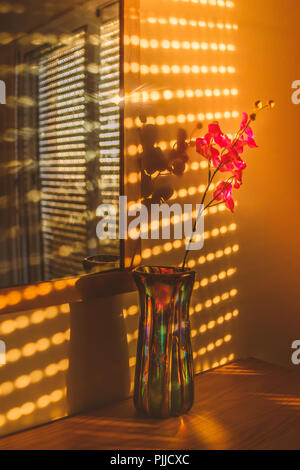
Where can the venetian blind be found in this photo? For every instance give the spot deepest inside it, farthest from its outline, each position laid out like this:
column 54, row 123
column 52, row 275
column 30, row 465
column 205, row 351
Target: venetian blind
column 67, row 141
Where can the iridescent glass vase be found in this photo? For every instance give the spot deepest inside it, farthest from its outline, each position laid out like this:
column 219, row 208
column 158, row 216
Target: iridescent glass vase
column 164, row 376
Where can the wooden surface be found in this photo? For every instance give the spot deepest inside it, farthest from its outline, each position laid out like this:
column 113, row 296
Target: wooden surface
column 245, row 405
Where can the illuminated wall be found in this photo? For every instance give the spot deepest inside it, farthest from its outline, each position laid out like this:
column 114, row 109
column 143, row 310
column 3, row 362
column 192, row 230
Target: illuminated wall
column 268, row 214
column 204, row 60
column 32, row 383
column 187, row 71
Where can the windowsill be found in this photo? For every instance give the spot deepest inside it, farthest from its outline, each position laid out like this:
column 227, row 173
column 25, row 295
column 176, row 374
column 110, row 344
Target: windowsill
column 45, row 294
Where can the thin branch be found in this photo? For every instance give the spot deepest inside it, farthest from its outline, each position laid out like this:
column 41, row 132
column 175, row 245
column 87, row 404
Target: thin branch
column 187, row 250
column 209, row 171
column 237, row 138
column 217, row 204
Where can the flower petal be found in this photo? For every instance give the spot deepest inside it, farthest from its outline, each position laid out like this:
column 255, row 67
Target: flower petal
column 214, row 129
column 230, row 204
column 222, row 140
column 201, row 145
column 244, row 121
column 251, row 142
column 215, row 157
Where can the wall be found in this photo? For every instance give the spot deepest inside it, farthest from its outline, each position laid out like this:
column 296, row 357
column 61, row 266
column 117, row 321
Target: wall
column 189, row 74
column 263, row 65
column 268, row 215
column 66, row 358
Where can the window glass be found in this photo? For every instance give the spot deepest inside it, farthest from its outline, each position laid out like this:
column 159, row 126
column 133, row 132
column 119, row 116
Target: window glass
column 60, row 138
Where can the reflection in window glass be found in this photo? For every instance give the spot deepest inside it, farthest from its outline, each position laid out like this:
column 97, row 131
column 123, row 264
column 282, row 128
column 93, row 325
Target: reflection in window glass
column 64, row 158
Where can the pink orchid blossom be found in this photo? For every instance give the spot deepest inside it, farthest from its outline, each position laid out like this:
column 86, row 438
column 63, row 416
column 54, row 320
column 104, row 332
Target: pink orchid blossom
column 244, row 123
column 224, row 192
column 248, row 131
column 219, row 138
column 214, row 129
column 205, row 148
column 238, row 178
column 226, row 158
column 232, row 160
column 240, row 144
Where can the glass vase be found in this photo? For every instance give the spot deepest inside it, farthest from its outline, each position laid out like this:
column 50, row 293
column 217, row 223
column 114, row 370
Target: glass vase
column 164, row 376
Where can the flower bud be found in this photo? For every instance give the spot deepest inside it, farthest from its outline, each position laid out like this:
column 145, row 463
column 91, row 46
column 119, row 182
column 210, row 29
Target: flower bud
column 258, row 104
column 253, row 116
column 272, row 103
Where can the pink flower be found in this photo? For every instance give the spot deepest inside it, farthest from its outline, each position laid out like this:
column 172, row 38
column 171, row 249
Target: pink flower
column 232, row 160
column 223, row 141
column 248, row 131
column 214, row 129
column 227, row 162
column 225, row 155
column 224, row 191
column 238, row 178
column 206, row 149
column 219, row 138
column 240, row 144
column 251, row 142
column 244, row 122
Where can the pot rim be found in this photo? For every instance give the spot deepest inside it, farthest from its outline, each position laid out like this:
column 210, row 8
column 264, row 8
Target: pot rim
column 177, row 271
column 100, row 259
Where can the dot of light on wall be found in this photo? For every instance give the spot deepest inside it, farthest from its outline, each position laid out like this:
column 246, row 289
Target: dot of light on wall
column 207, row 304
column 40, row 345
column 175, row 44
column 211, row 346
column 38, row 316
column 223, row 361
column 173, row 21
column 148, row 252
column 28, row 408
column 216, row 3
column 166, row 69
column 16, row 296
column 24, row 381
column 180, row 118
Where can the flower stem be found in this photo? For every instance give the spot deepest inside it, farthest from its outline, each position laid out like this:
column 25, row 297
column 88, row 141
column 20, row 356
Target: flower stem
column 210, row 179
column 201, row 210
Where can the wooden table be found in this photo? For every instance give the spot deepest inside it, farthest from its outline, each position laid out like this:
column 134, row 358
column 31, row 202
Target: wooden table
column 247, row 404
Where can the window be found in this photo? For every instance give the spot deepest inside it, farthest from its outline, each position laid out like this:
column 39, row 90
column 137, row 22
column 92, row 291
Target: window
column 71, row 80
